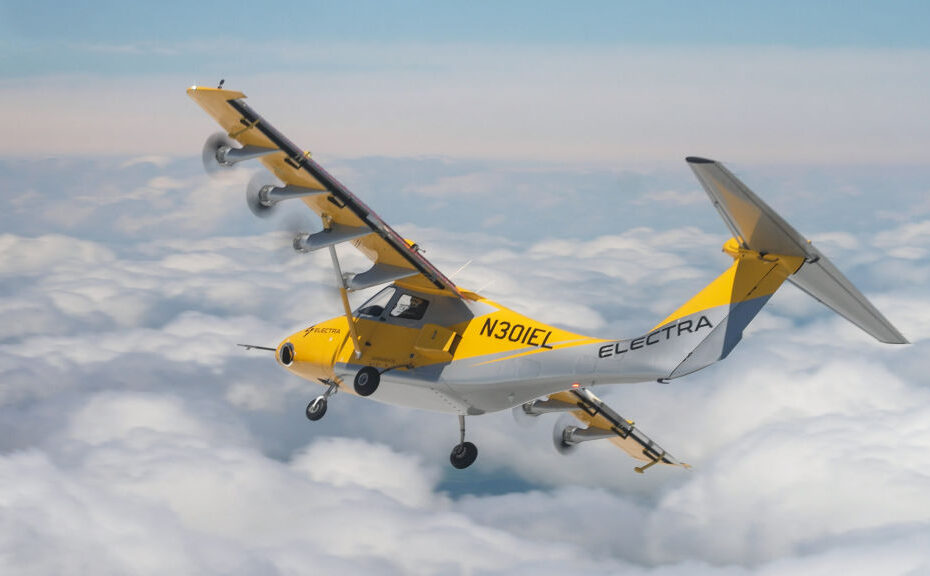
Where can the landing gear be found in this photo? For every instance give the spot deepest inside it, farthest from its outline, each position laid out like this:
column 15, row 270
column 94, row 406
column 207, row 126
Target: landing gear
column 366, row 381
column 317, row 408
column 465, row 453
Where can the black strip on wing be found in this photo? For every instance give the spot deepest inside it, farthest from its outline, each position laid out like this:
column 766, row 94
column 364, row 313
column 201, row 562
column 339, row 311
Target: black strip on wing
column 594, row 406
column 351, row 201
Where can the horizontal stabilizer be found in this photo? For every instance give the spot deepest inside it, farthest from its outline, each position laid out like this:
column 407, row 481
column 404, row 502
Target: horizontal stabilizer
column 757, row 227
column 823, row 281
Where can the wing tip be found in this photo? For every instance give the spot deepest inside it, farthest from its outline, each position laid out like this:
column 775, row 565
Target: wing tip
column 897, row 338
column 699, row 160
column 196, row 91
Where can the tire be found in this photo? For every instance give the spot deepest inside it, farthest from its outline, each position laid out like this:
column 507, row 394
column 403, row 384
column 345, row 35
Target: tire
column 366, row 381
column 316, row 409
column 463, row 455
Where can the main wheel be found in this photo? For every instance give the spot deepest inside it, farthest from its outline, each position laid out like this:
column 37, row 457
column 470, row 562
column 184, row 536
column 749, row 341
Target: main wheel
column 366, row 381
column 463, row 455
column 316, row 409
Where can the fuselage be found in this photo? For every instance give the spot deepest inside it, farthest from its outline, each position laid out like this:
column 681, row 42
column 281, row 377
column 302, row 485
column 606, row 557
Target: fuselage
column 472, row 355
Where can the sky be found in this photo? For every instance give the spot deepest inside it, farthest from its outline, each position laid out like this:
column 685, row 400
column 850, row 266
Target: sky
column 542, row 142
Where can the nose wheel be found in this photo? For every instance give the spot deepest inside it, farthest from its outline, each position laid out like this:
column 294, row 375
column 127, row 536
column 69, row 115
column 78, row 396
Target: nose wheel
column 464, row 453
column 317, row 408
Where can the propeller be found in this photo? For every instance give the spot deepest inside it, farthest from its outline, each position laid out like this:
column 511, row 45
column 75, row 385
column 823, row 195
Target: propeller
column 292, row 224
column 212, row 150
column 253, row 193
column 522, row 417
column 565, row 421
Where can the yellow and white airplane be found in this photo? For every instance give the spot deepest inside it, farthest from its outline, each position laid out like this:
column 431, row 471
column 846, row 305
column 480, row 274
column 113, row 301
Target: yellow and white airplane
column 423, row 341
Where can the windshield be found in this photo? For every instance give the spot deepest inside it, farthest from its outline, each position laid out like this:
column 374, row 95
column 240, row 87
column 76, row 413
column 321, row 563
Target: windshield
column 375, row 305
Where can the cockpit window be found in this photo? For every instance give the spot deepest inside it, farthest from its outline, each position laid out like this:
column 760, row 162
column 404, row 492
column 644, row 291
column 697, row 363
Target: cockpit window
column 409, row 307
column 375, row 305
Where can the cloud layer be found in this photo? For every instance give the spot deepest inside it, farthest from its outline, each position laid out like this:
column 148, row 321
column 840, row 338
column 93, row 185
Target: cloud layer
column 136, row 438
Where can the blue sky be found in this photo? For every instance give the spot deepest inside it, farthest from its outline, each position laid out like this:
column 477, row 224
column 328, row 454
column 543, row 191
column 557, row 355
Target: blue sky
column 142, row 38
column 797, row 23
column 542, row 141
column 613, row 84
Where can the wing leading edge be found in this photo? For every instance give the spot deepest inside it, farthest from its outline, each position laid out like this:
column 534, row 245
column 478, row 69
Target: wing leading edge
column 294, row 167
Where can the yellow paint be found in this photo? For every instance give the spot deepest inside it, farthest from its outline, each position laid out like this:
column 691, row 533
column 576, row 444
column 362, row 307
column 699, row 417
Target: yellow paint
column 597, row 420
column 215, row 102
column 569, row 344
column 436, row 343
column 315, row 348
column 752, row 275
column 384, row 345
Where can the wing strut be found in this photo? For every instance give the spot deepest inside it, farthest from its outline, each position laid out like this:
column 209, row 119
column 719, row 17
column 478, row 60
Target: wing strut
column 343, row 292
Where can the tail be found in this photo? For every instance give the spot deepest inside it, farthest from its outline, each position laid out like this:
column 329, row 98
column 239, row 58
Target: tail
column 766, row 251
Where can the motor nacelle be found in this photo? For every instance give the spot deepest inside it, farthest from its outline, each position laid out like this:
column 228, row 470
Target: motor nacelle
column 286, row 354
column 567, row 436
column 264, row 192
column 525, row 414
column 220, row 152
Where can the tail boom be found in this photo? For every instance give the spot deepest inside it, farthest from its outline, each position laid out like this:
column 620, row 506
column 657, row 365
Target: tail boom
column 707, row 327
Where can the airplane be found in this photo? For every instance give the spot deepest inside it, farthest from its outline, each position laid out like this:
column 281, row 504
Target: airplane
column 424, row 342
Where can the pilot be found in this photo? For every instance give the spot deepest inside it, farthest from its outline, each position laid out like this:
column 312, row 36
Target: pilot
column 415, row 309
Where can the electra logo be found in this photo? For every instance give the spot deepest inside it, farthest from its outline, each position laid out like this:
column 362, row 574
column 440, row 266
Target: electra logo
column 666, row 333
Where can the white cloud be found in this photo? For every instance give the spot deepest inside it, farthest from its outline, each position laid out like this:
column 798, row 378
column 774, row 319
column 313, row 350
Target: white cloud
column 909, row 235
column 674, row 197
column 38, row 256
column 158, row 161
column 111, row 417
column 349, row 461
column 137, row 438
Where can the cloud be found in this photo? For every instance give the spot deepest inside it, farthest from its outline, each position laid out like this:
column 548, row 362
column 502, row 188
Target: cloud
column 136, row 438
column 169, row 478
column 32, row 257
column 349, row 461
column 158, row 161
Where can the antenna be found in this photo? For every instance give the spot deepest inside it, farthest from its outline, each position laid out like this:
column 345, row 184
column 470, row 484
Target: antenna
column 220, row 86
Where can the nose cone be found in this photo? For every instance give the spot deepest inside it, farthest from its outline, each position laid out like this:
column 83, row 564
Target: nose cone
column 286, row 353
column 311, row 353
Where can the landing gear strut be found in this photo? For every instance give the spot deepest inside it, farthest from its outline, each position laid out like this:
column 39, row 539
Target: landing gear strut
column 464, row 453
column 317, row 408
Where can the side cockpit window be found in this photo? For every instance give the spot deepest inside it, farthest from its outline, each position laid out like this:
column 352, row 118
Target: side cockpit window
column 376, row 304
column 409, row 307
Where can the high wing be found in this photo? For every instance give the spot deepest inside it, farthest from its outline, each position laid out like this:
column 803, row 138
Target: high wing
column 603, row 422
column 344, row 216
